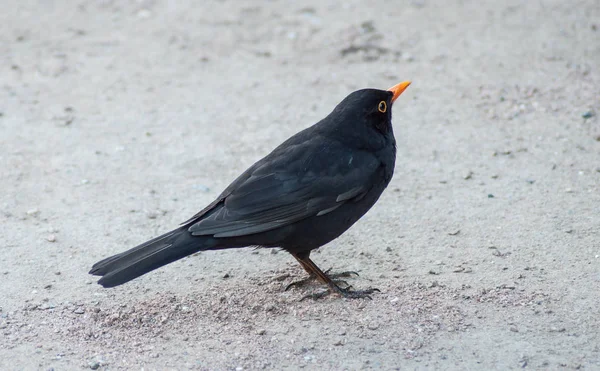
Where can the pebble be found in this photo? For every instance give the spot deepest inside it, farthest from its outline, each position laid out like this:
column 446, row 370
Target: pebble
column 79, row 310
column 261, row 331
column 94, row 365
column 33, row 212
column 556, row 329
column 201, row 187
column 373, row 326
column 51, row 238
column 588, row 115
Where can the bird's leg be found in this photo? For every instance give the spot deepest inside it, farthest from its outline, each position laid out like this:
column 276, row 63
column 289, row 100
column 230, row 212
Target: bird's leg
column 334, row 277
column 315, row 271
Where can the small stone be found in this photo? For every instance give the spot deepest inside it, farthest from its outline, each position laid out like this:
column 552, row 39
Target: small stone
column 556, row 329
column 94, row 365
column 468, row 175
column 490, row 195
column 261, row 332
column 588, row 115
column 373, row 326
column 79, row 310
column 201, row 188
column 51, row 238
column 32, row 212
column 514, row 329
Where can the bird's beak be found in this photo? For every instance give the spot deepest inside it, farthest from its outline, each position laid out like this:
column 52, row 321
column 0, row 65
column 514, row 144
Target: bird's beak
column 398, row 89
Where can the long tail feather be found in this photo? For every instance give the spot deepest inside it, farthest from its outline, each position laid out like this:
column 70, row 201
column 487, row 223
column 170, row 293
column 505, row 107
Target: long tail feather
column 153, row 254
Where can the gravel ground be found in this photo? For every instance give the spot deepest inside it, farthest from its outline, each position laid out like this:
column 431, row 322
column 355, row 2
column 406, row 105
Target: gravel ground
column 118, row 120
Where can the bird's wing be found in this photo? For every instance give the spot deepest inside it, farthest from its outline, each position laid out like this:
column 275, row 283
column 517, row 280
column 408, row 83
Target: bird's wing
column 283, row 189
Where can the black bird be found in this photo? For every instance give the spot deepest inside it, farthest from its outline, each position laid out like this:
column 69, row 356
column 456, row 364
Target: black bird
column 304, row 194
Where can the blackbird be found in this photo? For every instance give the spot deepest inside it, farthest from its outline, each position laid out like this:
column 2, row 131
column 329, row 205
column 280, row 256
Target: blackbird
column 304, row 194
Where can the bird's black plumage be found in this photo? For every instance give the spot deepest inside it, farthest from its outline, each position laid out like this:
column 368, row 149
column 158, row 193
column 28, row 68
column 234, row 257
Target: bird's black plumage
column 304, row 194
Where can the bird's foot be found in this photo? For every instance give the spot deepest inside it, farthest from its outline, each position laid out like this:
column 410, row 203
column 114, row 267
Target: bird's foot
column 334, row 277
column 344, row 292
column 306, row 281
column 357, row 294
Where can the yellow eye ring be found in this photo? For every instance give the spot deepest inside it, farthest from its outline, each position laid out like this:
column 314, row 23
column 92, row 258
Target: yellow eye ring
column 382, row 107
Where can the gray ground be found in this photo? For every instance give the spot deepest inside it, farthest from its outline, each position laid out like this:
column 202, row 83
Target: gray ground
column 118, row 120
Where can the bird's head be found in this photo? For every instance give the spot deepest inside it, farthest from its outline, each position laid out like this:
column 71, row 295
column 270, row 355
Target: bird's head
column 367, row 113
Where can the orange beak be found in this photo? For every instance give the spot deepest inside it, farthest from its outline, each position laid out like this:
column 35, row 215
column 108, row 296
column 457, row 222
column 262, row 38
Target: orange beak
column 398, row 89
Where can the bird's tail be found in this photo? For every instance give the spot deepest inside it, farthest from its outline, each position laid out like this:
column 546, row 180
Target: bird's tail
column 153, row 254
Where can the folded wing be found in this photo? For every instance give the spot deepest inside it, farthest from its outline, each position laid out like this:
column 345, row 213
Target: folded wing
column 272, row 194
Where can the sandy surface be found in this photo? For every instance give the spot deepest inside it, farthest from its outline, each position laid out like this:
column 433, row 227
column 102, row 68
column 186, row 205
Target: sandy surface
column 118, row 120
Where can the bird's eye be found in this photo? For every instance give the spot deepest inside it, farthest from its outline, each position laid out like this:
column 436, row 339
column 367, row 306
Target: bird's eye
column 382, row 107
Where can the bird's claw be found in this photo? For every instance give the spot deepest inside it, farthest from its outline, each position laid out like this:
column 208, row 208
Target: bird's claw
column 316, row 295
column 300, row 283
column 345, row 292
column 333, row 276
column 306, row 281
column 357, row 294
